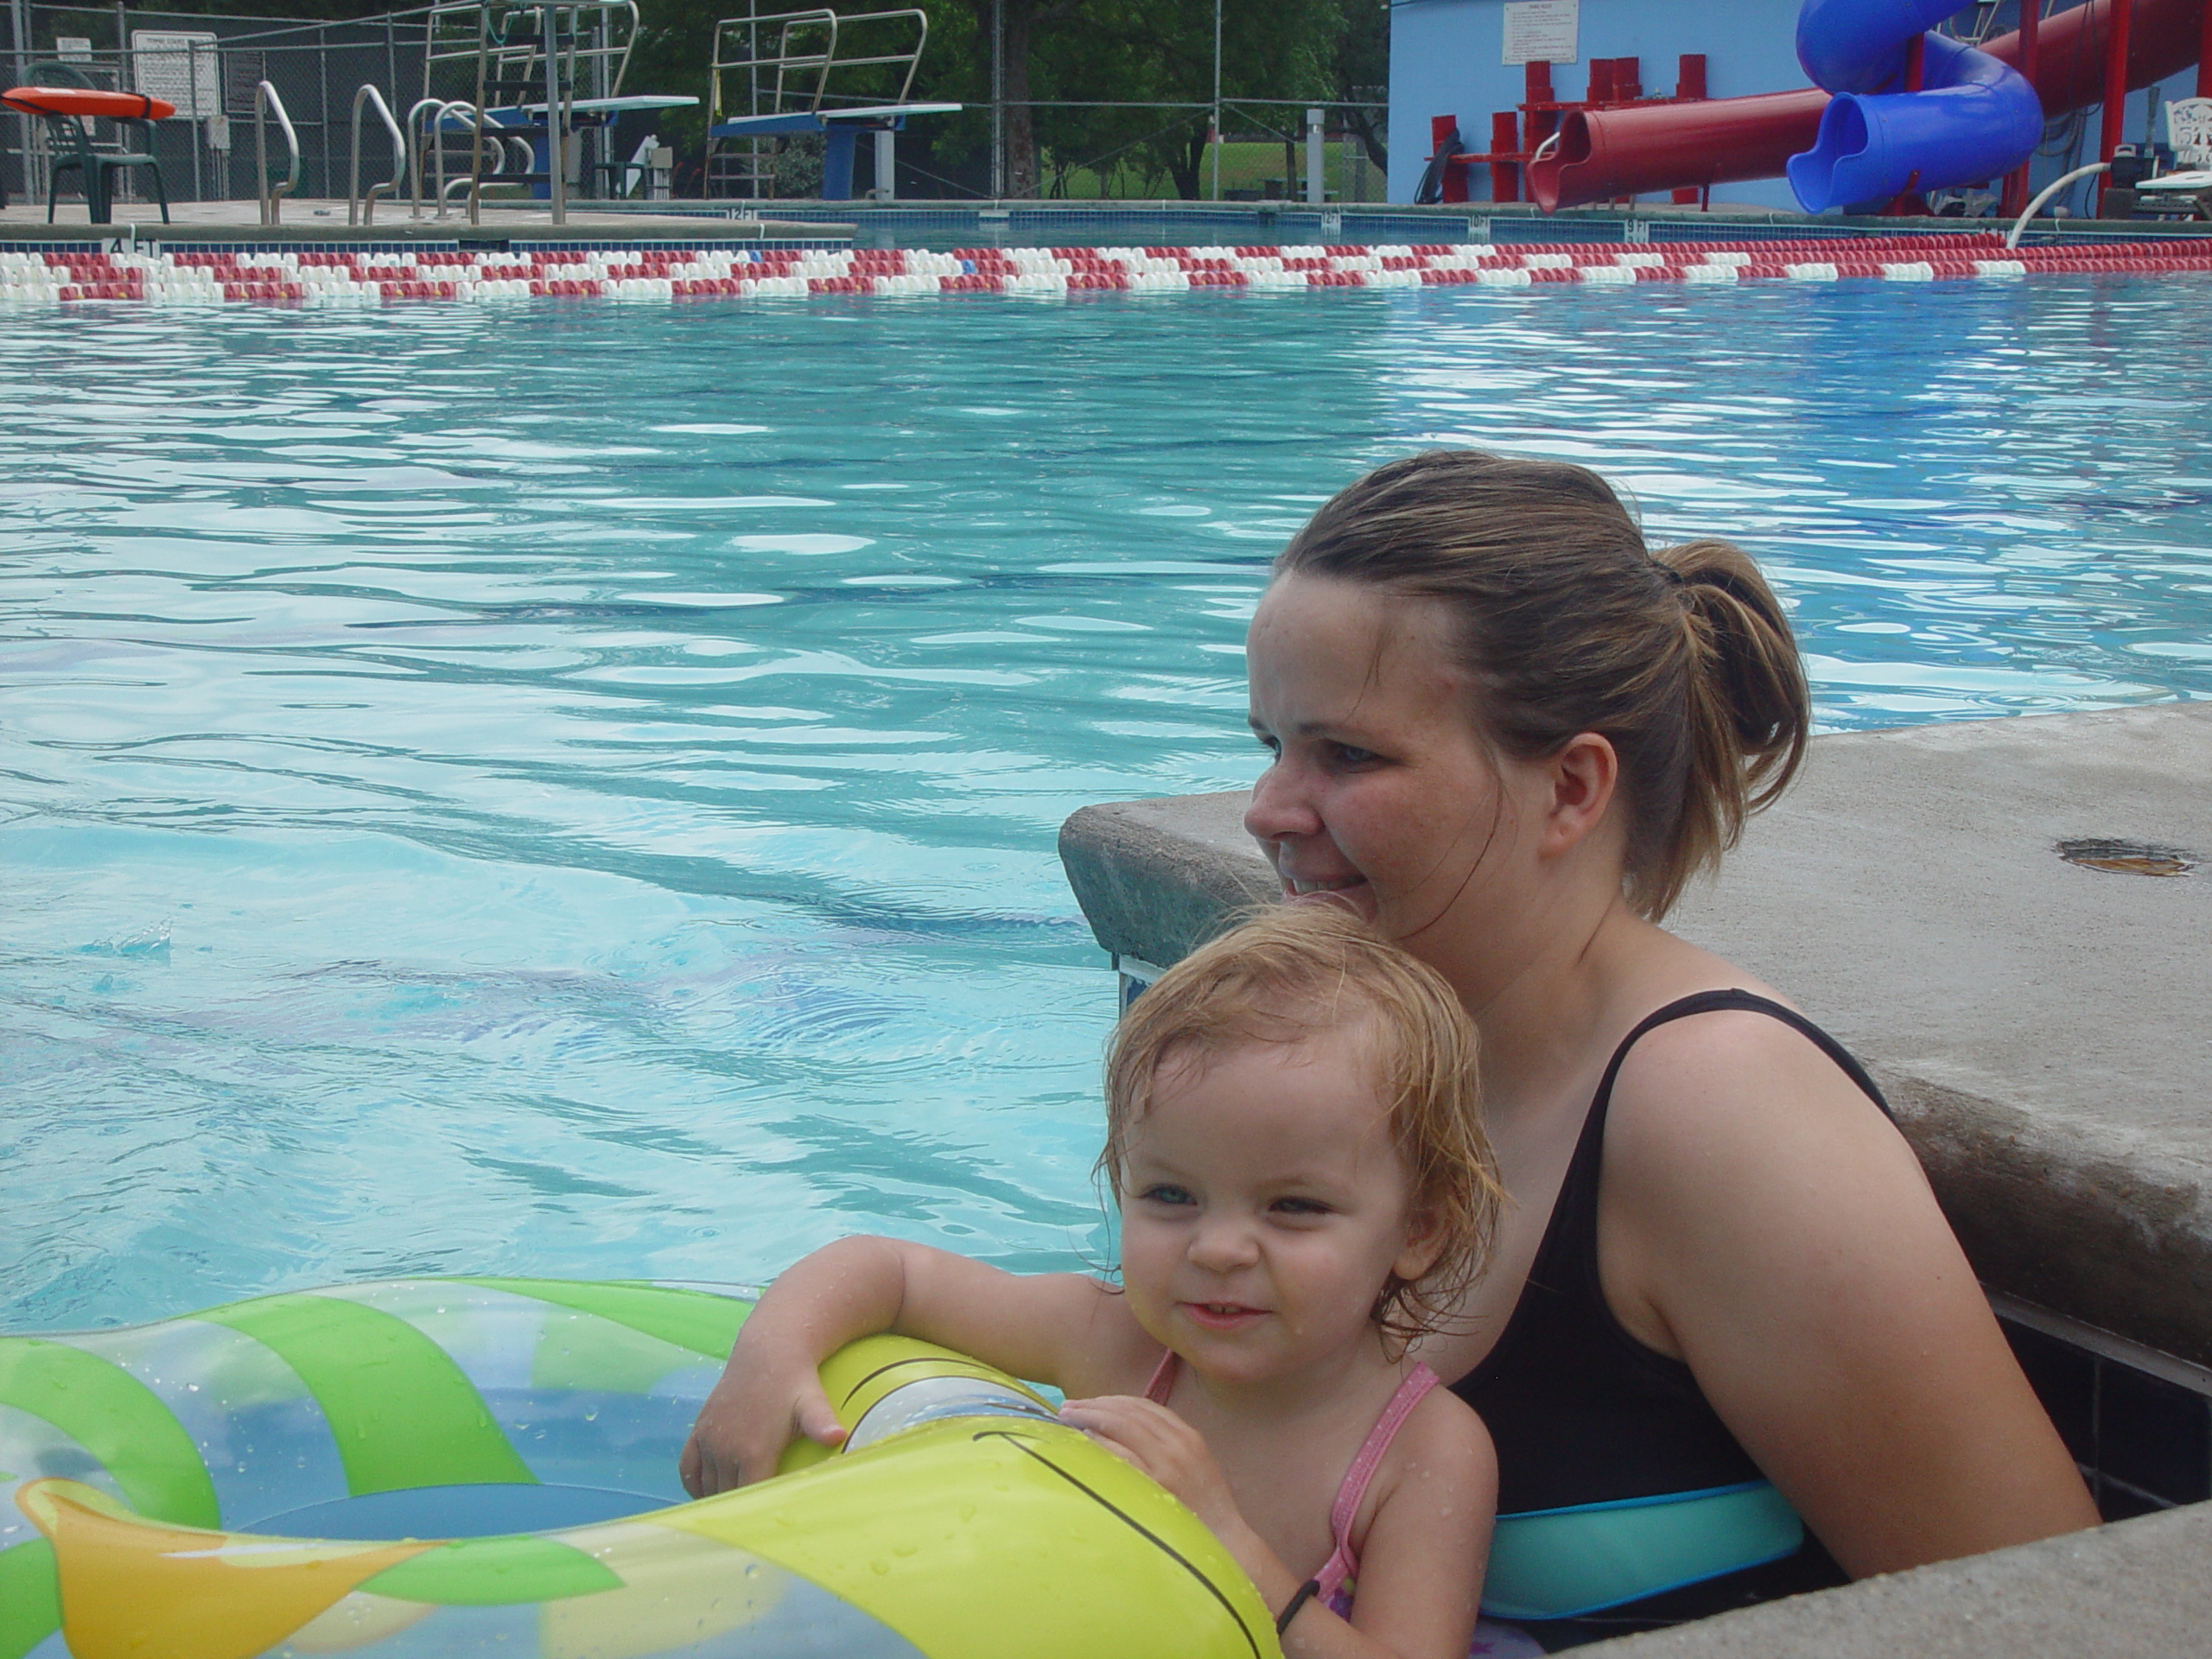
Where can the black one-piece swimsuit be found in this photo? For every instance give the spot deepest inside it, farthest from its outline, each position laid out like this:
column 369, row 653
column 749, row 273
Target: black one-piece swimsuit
column 1624, row 1502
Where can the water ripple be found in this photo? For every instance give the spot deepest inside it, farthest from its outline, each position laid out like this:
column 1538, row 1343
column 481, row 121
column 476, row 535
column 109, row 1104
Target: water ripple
column 573, row 790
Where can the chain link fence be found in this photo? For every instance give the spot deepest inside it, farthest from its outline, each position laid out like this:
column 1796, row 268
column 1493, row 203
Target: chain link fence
column 209, row 67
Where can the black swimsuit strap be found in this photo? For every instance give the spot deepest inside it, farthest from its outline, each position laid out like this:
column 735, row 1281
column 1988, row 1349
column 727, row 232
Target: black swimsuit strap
column 1584, row 1414
column 1574, row 1213
column 1711, row 1003
column 1567, row 1255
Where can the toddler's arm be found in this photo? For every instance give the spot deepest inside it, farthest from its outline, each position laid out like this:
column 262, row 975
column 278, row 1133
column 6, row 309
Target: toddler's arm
column 1420, row 1563
column 1033, row 1325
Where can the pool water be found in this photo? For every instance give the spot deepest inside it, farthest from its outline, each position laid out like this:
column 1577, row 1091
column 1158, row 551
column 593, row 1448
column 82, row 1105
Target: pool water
column 571, row 790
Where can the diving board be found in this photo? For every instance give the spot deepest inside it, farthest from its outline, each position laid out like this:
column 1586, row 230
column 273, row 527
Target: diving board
column 840, row 131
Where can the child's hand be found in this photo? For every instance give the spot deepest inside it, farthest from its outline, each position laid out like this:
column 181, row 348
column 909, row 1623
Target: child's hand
column 748, row 1420
column 1166, row 1447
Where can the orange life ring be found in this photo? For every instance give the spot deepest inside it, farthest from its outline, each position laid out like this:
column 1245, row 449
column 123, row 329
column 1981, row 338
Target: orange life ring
column 87, row 100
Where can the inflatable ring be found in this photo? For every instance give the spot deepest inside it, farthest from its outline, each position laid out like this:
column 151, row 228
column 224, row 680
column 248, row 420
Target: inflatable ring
column 87, row 100
column 419, row 1467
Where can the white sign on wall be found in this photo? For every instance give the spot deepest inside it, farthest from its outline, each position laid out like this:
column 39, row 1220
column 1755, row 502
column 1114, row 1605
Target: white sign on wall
column 1543, row 31
column 165, row 65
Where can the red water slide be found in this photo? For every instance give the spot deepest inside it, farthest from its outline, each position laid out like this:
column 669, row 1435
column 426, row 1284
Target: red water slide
column 1602, row 155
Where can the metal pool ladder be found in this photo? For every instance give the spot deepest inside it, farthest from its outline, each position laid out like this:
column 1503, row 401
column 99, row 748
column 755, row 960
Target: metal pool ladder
column 505, row 54
column 266, row 97
column 361, row 210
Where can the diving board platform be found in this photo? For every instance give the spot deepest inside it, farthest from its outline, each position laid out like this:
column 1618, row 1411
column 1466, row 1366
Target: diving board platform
column 840, row 129
column 790, row 73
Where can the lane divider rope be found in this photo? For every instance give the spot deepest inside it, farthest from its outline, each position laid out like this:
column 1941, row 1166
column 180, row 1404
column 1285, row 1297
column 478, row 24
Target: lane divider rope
column 273, row 276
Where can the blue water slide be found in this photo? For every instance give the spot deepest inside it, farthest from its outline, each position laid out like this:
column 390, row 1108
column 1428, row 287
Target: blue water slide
column 1972, row 119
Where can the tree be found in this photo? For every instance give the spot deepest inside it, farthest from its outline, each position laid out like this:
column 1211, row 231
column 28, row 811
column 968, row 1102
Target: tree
column 1054, row 52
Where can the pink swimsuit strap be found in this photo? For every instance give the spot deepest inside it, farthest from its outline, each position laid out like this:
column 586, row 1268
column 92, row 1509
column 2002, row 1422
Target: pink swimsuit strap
column 1344, row 1565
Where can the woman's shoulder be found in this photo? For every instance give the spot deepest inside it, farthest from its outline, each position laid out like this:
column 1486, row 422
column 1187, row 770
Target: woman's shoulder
column 1741, row 1149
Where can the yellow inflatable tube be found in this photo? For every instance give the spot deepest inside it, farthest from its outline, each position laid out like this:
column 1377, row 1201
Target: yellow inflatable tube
column 149, row 1478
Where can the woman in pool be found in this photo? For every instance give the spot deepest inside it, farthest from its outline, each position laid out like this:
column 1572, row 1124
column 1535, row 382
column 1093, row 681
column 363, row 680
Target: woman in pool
column 1506, row 733
column 1294, row 1142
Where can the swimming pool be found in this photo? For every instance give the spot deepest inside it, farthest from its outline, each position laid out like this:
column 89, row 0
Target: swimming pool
column 572, row 790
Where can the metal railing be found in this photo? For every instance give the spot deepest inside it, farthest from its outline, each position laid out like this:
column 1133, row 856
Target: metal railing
column 359, row 210
column 2050, row 190
column 265, row 97
column 768, row 60
column 512, row 52
column 429, row 124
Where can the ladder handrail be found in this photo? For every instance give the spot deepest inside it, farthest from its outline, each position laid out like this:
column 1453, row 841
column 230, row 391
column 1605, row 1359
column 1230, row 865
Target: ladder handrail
column 367, row 210
column 784, row 60
column 266, row 97
column 778, row 49
column 2046, row 194
column 421, row 132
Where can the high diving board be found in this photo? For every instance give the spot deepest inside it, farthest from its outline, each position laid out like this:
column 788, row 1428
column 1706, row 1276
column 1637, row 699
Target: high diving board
column 523, row 114
column 840, row 129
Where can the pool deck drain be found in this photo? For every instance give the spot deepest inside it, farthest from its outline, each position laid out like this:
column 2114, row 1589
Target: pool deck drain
column 2040, row 1026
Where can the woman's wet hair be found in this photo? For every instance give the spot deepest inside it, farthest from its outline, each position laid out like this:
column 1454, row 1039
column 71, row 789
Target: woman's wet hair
column 1292, row 973
column 1680, row 657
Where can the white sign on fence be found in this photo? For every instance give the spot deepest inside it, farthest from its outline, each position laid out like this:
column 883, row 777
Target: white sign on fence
column 73, row 49
column 1543, row 31
column 164, row 65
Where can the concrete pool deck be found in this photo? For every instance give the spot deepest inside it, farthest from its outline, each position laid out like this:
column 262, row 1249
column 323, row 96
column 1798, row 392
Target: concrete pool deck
column 2134, row 1589
column 2040, row 1026
column 314, row 219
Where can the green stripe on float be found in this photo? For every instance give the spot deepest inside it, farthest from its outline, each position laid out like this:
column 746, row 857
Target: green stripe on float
column 401, row 1412
column 696, row 1319
column 118, row 1419
column 494, row 1573
column 30, row 1598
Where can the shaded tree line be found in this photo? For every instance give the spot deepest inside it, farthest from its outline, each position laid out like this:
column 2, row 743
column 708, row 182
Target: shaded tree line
column 1054, row 53
column 1060, row 53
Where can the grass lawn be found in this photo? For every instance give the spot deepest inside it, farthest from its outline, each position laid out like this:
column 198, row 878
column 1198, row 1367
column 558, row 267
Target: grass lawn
column 1254, row 167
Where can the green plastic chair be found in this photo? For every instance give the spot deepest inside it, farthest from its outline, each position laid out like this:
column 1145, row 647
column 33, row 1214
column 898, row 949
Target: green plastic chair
column 73, row 151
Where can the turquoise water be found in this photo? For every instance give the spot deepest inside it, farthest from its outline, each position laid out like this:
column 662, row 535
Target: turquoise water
column 572, row 789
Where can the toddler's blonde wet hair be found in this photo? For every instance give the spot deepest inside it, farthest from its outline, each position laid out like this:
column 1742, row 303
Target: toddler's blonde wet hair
column 1289, row 974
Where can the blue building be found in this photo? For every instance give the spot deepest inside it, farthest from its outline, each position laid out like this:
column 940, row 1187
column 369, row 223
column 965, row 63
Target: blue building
column 1464, row 59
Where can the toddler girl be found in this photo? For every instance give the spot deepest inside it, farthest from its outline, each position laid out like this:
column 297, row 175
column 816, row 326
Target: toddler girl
column 1293, row 1140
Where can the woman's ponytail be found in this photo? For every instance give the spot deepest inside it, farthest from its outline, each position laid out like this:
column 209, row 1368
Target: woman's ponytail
column 1749, row 709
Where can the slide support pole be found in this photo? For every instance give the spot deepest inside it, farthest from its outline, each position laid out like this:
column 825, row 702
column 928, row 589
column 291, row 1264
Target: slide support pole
column 2016, row 182
column 2118, row 13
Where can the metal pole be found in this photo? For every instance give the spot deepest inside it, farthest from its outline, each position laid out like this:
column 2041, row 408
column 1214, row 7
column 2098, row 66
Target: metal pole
column 1215, row 146
column 2119, row 15
column 20, row 26
column 998, row 100
column 322, row 94
column 192, row 74
column 1315, row 193
column 125, row 74
column 886, row 165
column 2016, row 182
column 556, row 136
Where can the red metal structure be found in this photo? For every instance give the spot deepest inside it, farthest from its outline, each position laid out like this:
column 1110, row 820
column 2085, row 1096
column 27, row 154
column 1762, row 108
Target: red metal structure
column 1516, row 137
column 1607, row 151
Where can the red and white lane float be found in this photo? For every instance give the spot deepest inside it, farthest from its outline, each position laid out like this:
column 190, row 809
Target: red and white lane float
column 87, row 101
column 678, row 273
